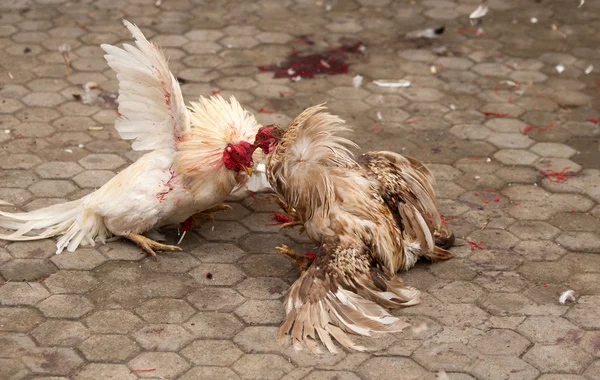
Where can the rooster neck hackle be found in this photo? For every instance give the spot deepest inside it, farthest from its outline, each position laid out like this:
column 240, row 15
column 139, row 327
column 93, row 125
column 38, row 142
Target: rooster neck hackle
column 215, row 123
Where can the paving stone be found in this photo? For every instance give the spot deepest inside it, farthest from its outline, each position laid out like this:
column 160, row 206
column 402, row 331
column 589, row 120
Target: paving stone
column 113, row 321
column 60, row 333
column 215, row 298
column 81, row 259
column 217, row 274
column 263, row 288
column 554, row 358
column 14, row 344
column 535, row 250
column 165, row 310
column 257, row 312
column 102, row 162
column 19, row 319
column 70, row 282
column 167, row 364
column 27, row 269
column 22, row 293
column 51, row 361
column 504, row 367
column 258, row 339
column 13, row 369
column 213, row 325
column 262, row 366
column 391, row 368
column 65, row 306
column 210, row 373
column 94, row 371
column 108, row 348
column 162, row 337
column 515, row 157
column 212, row 352
column 457, row 292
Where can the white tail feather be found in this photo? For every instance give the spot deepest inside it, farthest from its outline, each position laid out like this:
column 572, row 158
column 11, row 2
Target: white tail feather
column 71, row 220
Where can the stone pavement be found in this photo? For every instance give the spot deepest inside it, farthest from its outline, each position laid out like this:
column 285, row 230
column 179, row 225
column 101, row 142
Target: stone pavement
column 489, row 313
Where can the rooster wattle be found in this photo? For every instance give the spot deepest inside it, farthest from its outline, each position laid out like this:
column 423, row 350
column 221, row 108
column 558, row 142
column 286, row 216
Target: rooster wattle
column 371, row 218
column 198, row 157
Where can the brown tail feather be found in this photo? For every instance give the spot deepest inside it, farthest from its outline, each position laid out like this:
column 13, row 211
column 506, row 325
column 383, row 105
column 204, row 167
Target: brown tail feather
column 337, row 307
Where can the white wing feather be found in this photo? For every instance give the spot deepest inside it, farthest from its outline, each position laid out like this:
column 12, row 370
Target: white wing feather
column 151, row 106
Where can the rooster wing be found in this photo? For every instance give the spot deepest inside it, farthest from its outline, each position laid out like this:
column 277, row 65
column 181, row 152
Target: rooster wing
column 151, row 107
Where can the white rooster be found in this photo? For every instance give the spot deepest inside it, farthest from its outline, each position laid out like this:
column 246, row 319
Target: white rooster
column 199, row 156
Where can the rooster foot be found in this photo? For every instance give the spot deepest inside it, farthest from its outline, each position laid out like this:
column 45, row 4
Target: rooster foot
column 208, row 213
column 302, row 261
column 149, row 245
column 292, row 225
column 284, row 206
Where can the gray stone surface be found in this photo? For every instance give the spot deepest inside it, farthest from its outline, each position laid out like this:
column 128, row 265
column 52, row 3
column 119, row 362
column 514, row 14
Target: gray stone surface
column 496, row 115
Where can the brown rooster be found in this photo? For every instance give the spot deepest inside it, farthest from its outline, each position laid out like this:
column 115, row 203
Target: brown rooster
column 371, row 218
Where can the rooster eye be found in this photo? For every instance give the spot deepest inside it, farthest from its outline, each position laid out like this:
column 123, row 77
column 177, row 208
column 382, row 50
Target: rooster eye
column 262, row 135
column 237, row 154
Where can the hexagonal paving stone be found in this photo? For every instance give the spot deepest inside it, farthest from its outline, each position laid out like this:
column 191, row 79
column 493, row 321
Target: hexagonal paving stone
column 95, row 371
column 258, row 339
column 19, row 319
column 13, row 369
column 257, row 312
column 501, row 342
column 217, row 274
column 70, row 282
column 457, row 292
column 558, row 358
column 218, row 253
column 22, row 293
column 60, row 333
column 496, row 368
column 391, row 368
column 113, row 321
column 162, row 337
column 262, row 366
column 51, row 361
column 27, row 269
column 58, row 170
column 11, row 344
column 65, row 306
column 222, row 231
column 210, row 373
column 215, row 298
column 515, row 157
column 212, row 352
column 213, row 325
column 167, row 364
column 102, row 161
column 108, row 348
column 81, row 259
column 165, row 310
column 263, row 288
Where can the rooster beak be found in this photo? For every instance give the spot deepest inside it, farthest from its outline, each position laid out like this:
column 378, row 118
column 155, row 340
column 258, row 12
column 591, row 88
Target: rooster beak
column 247, row 169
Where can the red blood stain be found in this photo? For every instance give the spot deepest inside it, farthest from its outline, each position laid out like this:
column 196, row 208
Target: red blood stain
column 594, row 120
column 553, row 176
column 263, row 110
column 476, row 245
column 496, row 114
column 472, row 31
column 332, row 62
column 280, row 219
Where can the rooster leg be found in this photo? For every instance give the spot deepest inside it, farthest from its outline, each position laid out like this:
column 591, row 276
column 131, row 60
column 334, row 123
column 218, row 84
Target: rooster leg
column 290, row 211
column 302, row 261
column 284, row 206
column 208, row 214
column 149, row 245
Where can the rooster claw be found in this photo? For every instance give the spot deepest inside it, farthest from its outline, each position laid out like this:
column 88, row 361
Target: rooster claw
column 302, row 261
column 149, row 245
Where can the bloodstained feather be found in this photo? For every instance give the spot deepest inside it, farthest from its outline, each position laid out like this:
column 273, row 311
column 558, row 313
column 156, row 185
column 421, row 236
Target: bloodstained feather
column 553, row 176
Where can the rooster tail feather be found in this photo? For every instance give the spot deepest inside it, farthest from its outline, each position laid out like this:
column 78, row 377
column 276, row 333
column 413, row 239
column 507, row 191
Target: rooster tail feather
column 72, row 220
column 319, row 308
